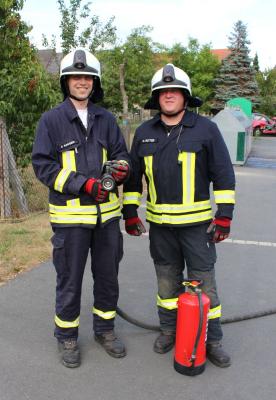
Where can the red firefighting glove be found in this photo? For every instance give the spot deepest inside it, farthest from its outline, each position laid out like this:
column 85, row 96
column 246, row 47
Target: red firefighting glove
column 134, row 226
column 119, row 169
column 219, row 229
column 95, row 189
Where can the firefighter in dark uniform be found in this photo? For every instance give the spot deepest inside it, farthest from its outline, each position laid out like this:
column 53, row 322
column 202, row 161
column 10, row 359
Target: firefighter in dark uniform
column 180, row 153
column 74, row 141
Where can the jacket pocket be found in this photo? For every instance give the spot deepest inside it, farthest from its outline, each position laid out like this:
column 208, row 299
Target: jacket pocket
column 190, row 147
column 147, row 148
column 59, row 259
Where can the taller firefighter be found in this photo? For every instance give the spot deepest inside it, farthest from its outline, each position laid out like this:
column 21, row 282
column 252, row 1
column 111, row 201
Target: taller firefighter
column 180, row 153
column 73, row 142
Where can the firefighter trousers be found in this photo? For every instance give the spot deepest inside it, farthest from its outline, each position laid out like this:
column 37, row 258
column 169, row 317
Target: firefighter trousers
column 71, row 247
column 172, row 249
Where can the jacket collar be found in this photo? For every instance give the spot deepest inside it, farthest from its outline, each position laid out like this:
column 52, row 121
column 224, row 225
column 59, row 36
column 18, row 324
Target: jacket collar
column 188, row 120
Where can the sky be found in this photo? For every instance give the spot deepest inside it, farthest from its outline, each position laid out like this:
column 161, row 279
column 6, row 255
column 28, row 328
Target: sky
column 173, row 21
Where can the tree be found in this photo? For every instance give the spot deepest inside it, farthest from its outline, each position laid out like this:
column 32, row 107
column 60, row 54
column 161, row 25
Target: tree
column 201, row 66
column 25, row 88
column 256, row 63
column 236, row 76
column 139, row 69
column 136, row 56
column 94, row 36
column 267, row 85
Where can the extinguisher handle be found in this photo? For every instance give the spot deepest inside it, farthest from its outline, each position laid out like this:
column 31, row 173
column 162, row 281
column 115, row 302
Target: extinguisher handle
column 195, row 283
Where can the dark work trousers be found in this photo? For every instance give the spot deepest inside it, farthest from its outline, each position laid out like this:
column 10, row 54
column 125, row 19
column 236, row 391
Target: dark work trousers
column 171, row 250
column 70, row 252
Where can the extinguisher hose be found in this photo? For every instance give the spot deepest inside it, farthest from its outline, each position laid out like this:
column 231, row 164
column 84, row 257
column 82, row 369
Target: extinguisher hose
column 228, row 320
column 200, row 323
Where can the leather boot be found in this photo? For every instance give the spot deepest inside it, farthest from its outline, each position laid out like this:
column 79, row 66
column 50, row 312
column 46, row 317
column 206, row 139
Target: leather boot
column 217, row 355
column 70, row 353
column 164, row 342
column 112, row 344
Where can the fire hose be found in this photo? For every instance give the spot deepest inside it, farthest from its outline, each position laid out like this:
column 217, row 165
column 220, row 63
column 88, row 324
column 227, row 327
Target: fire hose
column 108, row 184
column 229, row 320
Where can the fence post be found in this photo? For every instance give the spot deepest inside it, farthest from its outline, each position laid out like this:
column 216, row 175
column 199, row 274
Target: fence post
column 5, row 198
column 15, row 180
column 9, row 177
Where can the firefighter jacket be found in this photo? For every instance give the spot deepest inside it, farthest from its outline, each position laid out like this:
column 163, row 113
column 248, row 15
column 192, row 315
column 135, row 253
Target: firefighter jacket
column 66, row 154
column 179, row 168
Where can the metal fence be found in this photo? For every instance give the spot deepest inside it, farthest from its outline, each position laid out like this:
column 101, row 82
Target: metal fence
column 20, row 192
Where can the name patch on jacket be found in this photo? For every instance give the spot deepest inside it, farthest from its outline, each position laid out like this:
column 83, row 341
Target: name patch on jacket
column 68, row 145
column 149, row 140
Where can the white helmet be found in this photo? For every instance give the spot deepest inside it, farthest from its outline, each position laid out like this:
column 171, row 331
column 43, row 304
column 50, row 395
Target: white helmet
column 81, row 62
column 171, row 77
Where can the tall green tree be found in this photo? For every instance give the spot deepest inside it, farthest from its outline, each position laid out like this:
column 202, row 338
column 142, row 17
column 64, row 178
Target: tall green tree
column 93, row 35
column 237, row 78
column 26, row 90
column 256, row 63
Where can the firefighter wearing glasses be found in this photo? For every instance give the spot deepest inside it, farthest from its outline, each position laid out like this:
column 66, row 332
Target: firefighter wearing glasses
column 73, row 142
column 180, row 154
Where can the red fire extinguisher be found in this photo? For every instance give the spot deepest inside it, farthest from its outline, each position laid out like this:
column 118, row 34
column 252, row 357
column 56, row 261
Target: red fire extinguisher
column 191, row 330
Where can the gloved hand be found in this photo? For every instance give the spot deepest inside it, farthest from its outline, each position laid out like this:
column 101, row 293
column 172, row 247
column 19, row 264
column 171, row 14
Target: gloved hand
column 134, row 226
column 119, row 169
column 95, row 189
column 219, row 229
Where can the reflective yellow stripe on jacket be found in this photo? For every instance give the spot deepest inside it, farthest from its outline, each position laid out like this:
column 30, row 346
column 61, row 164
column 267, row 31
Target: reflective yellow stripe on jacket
column 224, row 196
column 68, row 165
column 149, row 173
column 132, row 198
column 73, row 212
column 188, row 176
column 77, row 214
column 188, row 211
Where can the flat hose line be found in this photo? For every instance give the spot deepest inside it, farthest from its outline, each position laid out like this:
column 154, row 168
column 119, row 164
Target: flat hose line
column 228, row 320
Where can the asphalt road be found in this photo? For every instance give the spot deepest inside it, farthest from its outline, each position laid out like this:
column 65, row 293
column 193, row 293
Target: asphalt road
column 29, row 363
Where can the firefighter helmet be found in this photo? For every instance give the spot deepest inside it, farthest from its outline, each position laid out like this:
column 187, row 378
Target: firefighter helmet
column 171, row 77
column 81, row 62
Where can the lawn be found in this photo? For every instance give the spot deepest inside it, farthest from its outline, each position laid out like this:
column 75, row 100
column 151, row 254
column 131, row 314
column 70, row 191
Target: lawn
column 24, row 245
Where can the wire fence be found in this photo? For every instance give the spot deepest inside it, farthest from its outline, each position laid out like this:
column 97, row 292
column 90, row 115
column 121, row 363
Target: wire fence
column 21, row 194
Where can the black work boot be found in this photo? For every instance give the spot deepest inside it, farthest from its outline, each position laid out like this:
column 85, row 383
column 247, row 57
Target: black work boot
column 164, row 342
column 112, row 344
column 70, row 353
column 217, row 355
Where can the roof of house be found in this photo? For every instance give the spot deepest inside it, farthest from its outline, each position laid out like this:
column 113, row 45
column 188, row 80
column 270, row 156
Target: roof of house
column 221, row 53
column 50, row 59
